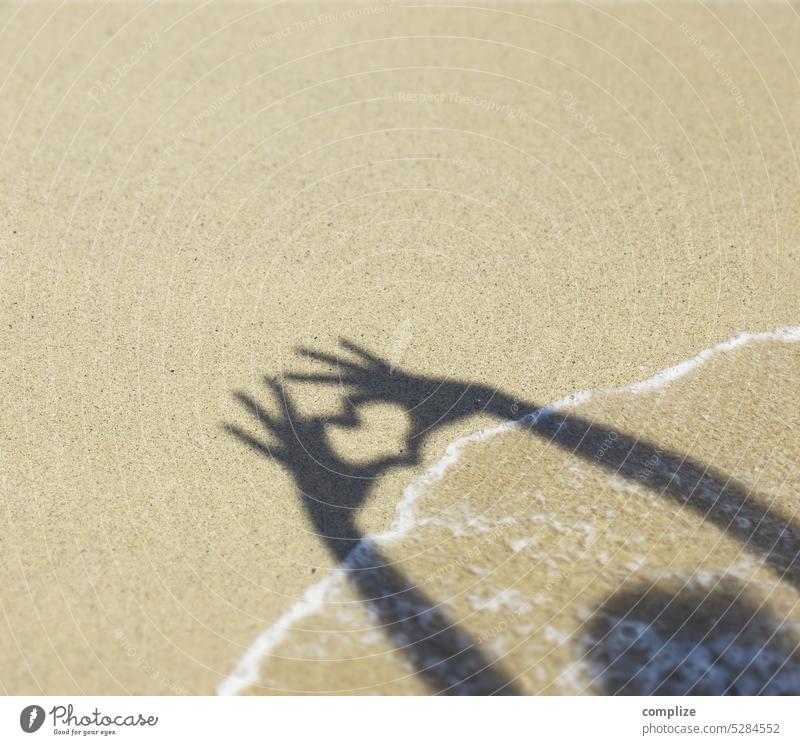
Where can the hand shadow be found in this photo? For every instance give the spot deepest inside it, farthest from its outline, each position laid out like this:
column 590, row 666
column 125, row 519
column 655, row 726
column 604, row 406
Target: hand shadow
column 430, row 402
column 332, row 490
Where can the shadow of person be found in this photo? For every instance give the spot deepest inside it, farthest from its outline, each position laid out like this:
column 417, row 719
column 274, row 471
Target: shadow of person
column 332, row 490
column 430, row 402
column 650, row 641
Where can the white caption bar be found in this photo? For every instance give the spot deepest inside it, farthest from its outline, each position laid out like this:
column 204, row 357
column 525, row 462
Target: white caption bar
column 396, row 721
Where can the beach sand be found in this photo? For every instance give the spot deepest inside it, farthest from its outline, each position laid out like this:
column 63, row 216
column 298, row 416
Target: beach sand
column 531, row 198
column 623, row 542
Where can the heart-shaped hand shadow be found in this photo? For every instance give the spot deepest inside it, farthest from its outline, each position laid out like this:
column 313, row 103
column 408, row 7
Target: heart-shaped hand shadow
column 380, row 432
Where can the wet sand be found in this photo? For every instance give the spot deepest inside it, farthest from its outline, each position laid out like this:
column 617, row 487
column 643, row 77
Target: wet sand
column 533, row 199
column 645, row 540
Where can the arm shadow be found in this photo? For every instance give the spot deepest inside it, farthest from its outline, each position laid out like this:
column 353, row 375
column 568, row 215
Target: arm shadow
column 430, row 402
column 333, row 490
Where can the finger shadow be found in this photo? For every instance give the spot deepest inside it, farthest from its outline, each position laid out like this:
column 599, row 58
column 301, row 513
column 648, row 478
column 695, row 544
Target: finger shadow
column 332, row 490
column 714, row 496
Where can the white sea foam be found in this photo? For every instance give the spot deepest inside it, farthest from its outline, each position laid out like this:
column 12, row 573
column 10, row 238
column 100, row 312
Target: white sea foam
column 666, row 376
column 246, row 671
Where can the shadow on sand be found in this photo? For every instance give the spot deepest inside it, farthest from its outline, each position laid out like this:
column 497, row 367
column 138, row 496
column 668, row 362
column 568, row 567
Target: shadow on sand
column 332, row 490
column 646, row 641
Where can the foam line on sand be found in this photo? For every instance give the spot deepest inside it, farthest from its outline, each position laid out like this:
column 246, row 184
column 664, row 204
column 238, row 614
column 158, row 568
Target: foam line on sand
column 246, row 671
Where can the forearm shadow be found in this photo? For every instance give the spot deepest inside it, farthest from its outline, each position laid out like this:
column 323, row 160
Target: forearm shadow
column 720, row 500
column 441, row 653
column 332, row 491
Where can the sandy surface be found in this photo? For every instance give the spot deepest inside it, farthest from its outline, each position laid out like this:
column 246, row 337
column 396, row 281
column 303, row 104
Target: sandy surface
column 534, row 198
column 624, row 543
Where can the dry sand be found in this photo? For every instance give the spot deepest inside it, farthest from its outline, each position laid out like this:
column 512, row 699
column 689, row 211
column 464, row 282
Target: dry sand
column 534, row 198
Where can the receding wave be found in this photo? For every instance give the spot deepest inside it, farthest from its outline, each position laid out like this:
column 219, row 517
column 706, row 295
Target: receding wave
column 634, row 540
